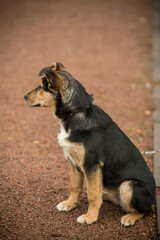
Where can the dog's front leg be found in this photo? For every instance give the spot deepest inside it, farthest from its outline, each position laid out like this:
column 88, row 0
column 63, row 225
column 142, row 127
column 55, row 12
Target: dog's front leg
column 94, row 194
column 76, row 178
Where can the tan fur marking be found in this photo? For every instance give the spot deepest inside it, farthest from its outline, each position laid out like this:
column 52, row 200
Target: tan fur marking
column 54, row 66
column 56, row 83
column 52, row 107
column 94, row 194
column 45, row 99
column 41, row 94
column 76, row 179
column 76, row 152
column 41, row 83
column 111, row 195
column 57, row 67
column 122, row 196
column 130, row 219
column 125, row 193
column 31, row 97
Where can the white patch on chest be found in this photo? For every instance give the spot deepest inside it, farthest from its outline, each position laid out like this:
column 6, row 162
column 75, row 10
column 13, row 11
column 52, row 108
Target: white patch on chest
column 62, row 136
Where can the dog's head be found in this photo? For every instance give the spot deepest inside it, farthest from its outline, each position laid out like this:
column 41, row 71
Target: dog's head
column 59, row 91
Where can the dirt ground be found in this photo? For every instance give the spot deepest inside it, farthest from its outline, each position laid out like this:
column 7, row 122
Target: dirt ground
column 106, row 45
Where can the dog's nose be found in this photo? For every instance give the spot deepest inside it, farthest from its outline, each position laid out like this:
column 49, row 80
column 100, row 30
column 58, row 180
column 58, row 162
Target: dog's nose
column 26, row 96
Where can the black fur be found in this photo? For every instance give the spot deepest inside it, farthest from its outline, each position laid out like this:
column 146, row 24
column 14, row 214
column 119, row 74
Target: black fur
column 105, row 142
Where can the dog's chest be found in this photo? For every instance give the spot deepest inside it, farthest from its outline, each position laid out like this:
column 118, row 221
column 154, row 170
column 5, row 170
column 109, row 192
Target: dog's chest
column 73, row 151
column 67, row 146
column 62, row 136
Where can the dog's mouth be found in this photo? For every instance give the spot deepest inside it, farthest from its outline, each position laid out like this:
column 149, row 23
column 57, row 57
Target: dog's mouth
column 32, row 105
column 37, row 105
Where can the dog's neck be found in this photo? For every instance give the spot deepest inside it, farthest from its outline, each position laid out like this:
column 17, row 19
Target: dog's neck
column 77, row 114
column 68, row 115
column 53, row 112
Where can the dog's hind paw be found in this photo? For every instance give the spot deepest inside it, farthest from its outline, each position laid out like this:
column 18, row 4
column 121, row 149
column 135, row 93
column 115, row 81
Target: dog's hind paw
column 130, row 219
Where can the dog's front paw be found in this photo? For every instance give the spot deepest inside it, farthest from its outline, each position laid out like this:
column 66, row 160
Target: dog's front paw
column 61, row 207
column 66, row 206
column 85, row 218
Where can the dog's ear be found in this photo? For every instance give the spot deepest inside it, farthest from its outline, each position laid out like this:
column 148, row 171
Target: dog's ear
column 57, row 66
column 55, row 81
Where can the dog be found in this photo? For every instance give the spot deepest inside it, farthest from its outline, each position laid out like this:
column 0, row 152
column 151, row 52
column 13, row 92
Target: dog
column 97, row 149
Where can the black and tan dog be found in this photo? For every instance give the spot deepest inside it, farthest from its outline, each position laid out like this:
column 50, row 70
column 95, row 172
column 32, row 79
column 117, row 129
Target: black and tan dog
column 97, row 150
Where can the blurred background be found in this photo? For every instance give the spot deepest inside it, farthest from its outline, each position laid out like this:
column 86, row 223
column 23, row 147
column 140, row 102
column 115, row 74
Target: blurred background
column 106, row 45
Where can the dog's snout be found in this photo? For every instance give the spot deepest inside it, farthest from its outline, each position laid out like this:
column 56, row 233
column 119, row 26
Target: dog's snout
column 25, row 97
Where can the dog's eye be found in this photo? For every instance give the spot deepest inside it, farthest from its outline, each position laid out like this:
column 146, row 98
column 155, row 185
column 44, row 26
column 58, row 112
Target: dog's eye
column 49, row 85
column 45, row 85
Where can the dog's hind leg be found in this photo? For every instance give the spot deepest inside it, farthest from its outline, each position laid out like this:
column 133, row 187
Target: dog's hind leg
column 76, row 178
column 126, row 193
column 94, row 194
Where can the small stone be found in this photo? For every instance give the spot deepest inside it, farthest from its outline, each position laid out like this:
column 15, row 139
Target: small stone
column 36, row 141
column 147, row 112
column 147, row 85
column 138, row 131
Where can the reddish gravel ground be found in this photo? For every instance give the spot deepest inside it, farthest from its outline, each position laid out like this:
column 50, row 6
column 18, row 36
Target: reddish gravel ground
column 106, row 45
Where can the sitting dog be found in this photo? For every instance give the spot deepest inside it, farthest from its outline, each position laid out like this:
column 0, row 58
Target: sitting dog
column 97, row 150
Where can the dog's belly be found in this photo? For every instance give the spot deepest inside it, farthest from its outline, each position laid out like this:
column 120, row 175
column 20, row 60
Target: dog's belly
column 111, row 195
